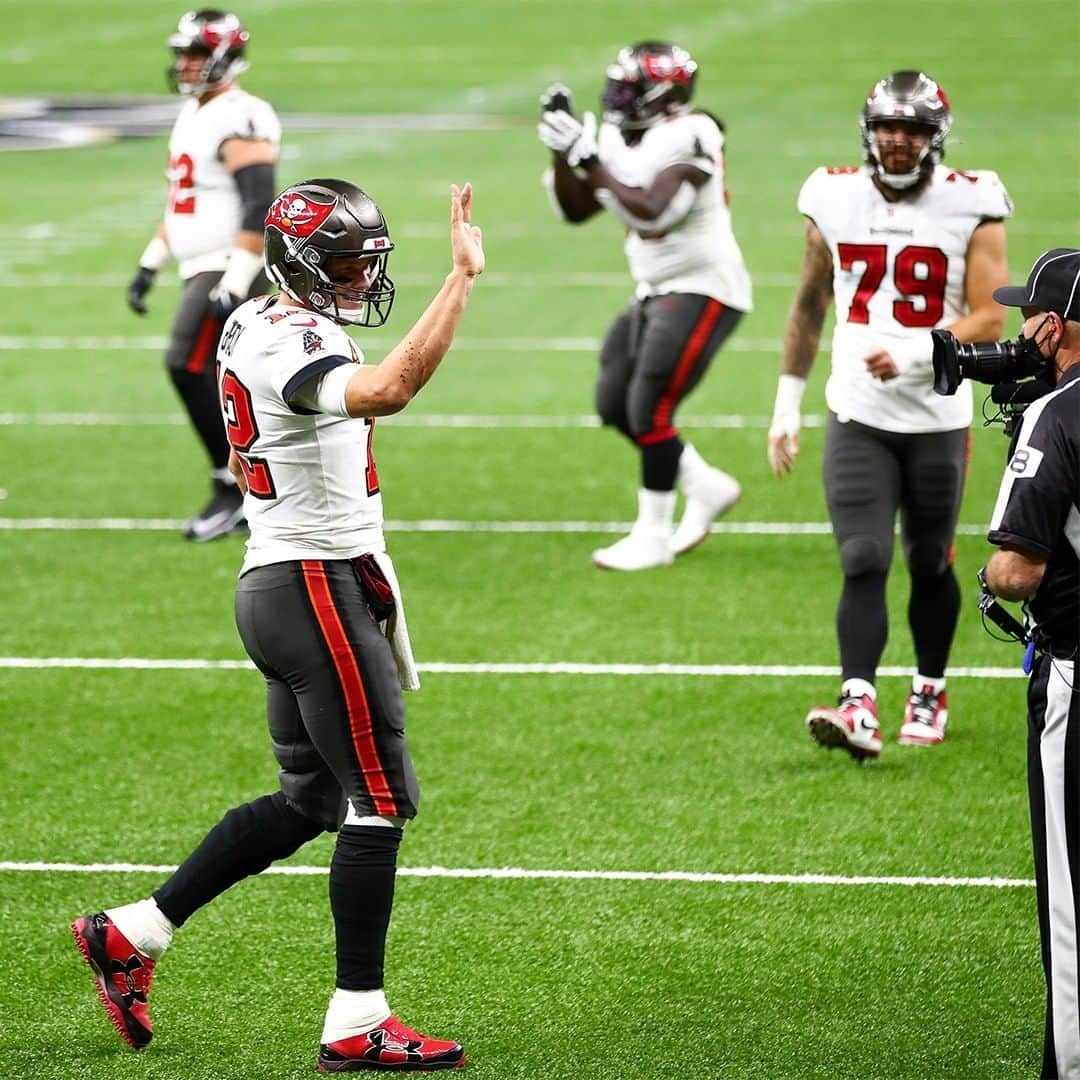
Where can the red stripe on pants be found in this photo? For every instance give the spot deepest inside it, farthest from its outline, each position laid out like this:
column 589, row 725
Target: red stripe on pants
column 208, row 333
column 356, row 704
column 665, row 407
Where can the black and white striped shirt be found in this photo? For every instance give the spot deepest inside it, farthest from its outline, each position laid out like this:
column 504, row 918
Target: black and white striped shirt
column 1038, row 509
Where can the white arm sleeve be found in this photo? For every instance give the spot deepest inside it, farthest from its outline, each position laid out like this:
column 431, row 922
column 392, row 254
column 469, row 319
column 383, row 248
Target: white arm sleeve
column 326, row 393
column 548, row 180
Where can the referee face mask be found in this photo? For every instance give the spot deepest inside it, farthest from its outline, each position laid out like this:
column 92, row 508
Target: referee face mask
column 1042, row 334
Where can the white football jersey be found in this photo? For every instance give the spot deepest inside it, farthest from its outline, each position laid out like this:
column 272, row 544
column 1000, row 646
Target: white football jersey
column 898, row 272
column 204, row 210
column 700, row 253
column 313, row 490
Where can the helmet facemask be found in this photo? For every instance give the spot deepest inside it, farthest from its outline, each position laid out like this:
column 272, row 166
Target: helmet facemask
column 363, row 299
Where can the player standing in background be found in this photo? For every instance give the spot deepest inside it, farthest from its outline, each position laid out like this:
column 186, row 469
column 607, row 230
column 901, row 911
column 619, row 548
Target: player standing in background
column 319, row 612
column 222, row 153
column 904, row 244
column 657, row 164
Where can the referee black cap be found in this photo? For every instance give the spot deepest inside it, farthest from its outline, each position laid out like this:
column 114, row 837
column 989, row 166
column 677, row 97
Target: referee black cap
column 1052, row 285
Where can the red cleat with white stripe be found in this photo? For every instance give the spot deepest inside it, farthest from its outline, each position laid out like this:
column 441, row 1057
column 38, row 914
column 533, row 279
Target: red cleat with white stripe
column 852, row 725
column 925, row 717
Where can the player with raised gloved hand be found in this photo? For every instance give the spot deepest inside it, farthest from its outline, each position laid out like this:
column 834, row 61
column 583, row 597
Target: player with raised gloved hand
column 657, row 164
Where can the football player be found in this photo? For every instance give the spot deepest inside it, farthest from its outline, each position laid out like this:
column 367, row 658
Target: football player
column 903, row 244
column 222, row 153
column 657, row 164
column 319, row 611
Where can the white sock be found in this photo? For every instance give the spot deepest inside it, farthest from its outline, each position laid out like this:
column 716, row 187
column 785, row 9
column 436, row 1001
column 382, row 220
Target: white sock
column 858, row 688
column 352, row 1012
column 656, row 510
column 144, row 925
column 920, row 682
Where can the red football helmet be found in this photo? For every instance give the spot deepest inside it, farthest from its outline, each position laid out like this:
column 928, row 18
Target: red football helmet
column 906, row 97
column 647, row 82
column 216, row 35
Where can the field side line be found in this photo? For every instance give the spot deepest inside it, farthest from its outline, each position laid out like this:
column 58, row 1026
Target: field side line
column 49, row 343
column 519, row 873
column 443, row 525
column 735, row 421
column 440, row 667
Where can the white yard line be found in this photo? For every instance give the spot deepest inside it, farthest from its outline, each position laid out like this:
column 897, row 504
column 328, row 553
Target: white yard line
column 446, row 525
column 437, row 667
column 503, row 873
column 405, row 419
column 47, row 343
column 494, row 279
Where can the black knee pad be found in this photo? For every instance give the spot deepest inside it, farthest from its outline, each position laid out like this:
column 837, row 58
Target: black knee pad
column 862, row 555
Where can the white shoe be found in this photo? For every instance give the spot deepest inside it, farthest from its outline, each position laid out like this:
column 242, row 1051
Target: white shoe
column 709, row 493
column 641, row 550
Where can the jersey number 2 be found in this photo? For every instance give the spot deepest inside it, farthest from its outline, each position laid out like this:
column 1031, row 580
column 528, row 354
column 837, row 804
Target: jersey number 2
column 918, row 271
column 182, row 175
column 242, row 431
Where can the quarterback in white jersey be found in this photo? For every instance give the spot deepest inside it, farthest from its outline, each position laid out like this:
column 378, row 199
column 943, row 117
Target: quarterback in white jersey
column 271, row 354
column 657, row 165
column 222, row 153
column 903, row 245
column 318, row 611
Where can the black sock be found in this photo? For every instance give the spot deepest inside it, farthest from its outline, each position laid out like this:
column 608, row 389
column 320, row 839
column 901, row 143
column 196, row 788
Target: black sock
column 198, row 391
column 660, row 463
column 244, row 842
column 933, row 611
column 862, row 625
column 361, row 896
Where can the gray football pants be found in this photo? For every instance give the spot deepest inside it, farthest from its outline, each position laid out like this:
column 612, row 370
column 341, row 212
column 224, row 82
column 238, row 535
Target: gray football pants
column 333, row 697
column 654, row 354
column 872, row 474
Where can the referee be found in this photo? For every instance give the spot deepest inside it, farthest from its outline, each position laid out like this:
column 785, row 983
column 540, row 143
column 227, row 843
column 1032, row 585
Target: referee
column 1036, row 527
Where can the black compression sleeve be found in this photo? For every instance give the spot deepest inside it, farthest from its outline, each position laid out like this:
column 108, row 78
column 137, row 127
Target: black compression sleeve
column 256, row 184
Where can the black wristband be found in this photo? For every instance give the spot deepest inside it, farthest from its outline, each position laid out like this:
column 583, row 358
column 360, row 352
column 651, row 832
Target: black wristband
column 589, row 163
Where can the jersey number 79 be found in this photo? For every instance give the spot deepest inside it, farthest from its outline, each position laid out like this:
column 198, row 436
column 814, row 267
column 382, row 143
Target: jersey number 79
column 918, row 271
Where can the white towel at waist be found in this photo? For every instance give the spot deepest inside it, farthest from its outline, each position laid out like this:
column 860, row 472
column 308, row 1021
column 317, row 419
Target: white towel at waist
column 396, row 630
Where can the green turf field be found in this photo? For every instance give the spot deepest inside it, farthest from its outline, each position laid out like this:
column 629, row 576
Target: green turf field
column 601, row 978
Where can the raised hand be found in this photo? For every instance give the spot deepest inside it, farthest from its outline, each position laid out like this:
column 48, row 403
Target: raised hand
column 466, row 240
column 557, row 98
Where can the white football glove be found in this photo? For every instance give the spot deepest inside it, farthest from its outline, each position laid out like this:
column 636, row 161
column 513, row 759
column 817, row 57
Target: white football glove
column 558, row 130
column 557, row 98
column 584, row 147
column 786, row 424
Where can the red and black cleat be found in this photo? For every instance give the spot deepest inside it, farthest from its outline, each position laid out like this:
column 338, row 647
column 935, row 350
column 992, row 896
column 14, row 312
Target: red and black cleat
column 123, row 976
column 391, row 1047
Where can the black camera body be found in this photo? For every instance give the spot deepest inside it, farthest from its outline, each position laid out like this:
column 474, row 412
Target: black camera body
column 1018, row 373
column 991, row 362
